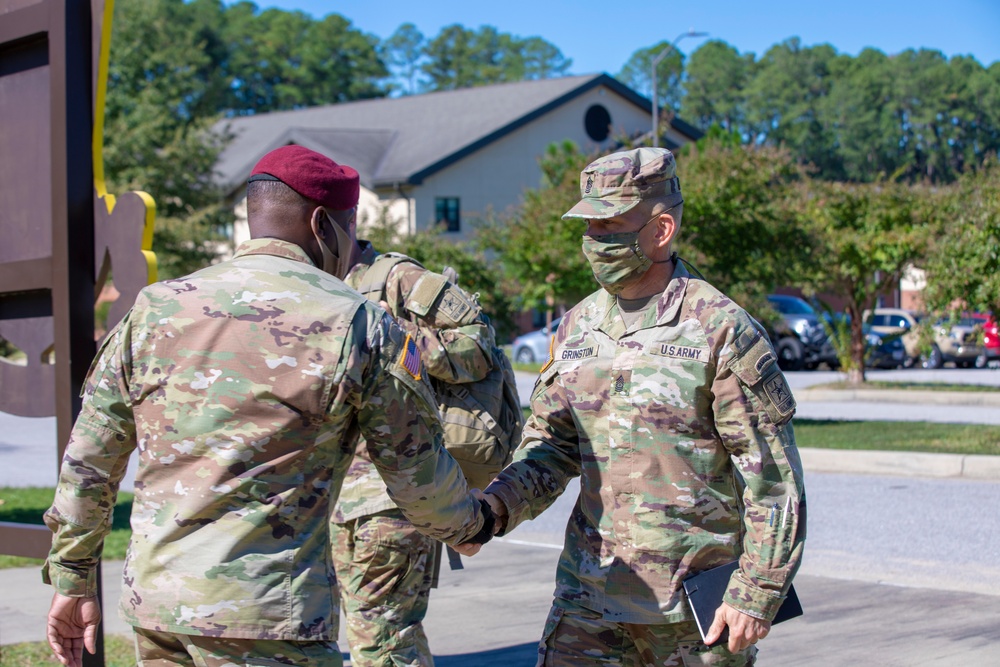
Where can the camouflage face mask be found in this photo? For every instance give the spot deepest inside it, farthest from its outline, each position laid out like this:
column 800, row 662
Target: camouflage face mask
column 616, row 259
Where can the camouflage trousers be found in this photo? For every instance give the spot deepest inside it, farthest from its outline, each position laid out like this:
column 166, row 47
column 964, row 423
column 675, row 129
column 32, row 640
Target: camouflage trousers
column 384, row 569
column 577, row 637
column 163, row 649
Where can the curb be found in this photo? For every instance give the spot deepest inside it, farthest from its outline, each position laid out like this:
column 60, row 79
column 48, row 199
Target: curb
column 901, row 464
column 916, row 397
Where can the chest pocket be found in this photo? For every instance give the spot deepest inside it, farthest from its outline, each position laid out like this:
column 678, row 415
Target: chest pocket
column 756, row 366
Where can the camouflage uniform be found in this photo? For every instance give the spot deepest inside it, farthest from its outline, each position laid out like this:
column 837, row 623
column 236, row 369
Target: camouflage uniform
column 679, row 427
column 384, row 566
column 243, row 386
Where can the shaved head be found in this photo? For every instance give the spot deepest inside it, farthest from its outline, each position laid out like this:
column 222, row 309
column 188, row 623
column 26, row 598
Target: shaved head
column 264, row 196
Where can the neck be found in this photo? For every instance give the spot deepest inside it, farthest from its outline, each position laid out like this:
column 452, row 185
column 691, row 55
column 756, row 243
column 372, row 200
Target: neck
column 654, row 281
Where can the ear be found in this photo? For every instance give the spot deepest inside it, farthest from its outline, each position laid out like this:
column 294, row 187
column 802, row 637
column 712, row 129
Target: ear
column 666, row 229
column 316, row 221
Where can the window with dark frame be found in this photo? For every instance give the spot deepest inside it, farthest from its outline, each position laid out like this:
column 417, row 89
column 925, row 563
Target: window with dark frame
column 447, row 211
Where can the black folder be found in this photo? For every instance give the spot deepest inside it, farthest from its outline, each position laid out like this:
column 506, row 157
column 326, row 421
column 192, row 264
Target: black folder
column 706, row 589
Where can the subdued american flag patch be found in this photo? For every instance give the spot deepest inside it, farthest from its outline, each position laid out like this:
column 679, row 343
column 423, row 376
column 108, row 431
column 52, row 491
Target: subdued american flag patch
column 411, row 358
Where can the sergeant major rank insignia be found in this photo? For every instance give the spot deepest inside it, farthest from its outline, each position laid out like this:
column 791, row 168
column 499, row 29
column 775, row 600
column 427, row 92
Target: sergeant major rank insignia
column 411, row 358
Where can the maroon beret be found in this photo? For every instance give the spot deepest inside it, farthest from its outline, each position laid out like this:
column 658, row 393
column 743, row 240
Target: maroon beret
column 312, row 175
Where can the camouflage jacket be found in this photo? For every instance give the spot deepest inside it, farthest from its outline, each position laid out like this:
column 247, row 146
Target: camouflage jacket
column 242, row 388
column 662, row 421
column 450, row 353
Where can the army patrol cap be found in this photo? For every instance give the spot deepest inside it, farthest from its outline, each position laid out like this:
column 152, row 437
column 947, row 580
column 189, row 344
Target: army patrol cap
column 616, row 183
column 312, row 175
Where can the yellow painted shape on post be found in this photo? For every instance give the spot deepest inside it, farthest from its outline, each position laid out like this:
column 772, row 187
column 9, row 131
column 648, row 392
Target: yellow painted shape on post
column 98, row 147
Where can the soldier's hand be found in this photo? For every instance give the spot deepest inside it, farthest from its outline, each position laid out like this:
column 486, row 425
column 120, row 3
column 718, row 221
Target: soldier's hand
column 499, row 510
column 468, row 549
column 744, row 629
column 72, row 625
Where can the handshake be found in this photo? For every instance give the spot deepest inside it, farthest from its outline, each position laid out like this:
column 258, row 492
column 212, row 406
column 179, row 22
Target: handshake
column 494, row 523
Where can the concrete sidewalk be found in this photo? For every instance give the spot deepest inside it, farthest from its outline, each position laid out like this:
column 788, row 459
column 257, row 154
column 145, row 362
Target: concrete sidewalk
column 975, row 407
column 491, row 615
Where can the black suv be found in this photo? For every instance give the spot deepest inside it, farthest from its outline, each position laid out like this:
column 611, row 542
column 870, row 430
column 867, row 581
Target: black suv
column 800, row 339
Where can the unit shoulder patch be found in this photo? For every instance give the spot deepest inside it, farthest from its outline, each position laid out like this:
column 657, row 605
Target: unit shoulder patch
column 454, row 304
column 779, row 394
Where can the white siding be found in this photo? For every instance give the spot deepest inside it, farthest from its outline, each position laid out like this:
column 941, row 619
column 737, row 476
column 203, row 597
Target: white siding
column 497, row 175
column 370, row 207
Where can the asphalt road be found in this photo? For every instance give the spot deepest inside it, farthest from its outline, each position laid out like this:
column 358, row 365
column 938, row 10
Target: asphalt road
column 27, row 445
column 896, row 572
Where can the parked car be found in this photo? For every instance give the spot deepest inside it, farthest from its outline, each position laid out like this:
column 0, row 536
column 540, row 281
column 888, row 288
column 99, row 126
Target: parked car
column 533, row 347
column 883, row 350
column 958, row 343
column 800, row 339
column 991, row 340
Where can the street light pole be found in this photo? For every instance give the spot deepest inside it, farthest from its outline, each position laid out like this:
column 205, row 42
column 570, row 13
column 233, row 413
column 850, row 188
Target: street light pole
column 656, row 61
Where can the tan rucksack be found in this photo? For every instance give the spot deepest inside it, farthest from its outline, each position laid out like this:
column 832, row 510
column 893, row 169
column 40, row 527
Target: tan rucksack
column 482, row 420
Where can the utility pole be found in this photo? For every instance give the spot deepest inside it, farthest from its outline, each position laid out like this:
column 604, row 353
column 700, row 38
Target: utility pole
column 656, row 61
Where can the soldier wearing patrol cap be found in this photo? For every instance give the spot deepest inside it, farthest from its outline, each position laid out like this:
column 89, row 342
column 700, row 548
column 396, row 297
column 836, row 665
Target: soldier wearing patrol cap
column 665, row 398
column 242, row 387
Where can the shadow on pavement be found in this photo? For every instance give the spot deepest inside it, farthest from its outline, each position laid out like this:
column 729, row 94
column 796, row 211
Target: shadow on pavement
column 522, row 655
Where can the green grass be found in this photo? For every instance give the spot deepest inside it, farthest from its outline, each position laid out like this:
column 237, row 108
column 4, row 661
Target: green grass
column 899, row 436
column 911, row 386
column 27, row 505
column 119, row 651
column 527, row 368
column 894, row 436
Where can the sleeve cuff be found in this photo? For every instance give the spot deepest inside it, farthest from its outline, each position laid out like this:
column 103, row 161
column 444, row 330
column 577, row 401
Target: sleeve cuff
column 512, row 501
column 752, row 600
column 70, row 583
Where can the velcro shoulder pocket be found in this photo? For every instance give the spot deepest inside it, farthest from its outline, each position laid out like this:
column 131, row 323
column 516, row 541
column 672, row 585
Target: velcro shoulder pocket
column 756, row 366
column 425, row 292
column 545, row 378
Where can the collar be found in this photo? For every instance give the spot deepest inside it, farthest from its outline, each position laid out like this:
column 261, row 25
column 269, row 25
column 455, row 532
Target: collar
column 666, row 309
column 275, row 247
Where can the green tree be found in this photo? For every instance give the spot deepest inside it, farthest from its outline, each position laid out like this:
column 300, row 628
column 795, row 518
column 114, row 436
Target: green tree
column 637, row 74
column 161, row 90
column 738, row 227
column 784, row 99
column 287, row 60
column 539, row 251
column 860, row 114
column 459, row 57
column 963, row 266
column 716, row 76
column 541, row 59
column 403, row 51
column 862, row 239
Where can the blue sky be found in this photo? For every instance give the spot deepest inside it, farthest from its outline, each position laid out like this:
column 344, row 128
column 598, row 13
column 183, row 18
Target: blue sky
column 600, row 36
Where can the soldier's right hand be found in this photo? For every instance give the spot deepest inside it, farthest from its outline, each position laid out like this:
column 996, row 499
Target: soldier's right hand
column 72, row 626
column 499, row 510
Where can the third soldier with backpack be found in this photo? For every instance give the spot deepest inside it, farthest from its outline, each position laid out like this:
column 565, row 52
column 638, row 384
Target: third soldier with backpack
column 385, row 568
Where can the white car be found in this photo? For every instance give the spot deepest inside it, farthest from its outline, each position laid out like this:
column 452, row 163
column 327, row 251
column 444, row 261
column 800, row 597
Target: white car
column 533, row 347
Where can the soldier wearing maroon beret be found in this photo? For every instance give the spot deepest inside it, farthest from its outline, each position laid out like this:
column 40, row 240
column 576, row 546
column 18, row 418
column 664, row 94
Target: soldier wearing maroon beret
column 242, row 388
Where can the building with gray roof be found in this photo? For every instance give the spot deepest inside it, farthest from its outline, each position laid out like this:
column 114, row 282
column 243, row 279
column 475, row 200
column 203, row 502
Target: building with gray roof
column 446, row 157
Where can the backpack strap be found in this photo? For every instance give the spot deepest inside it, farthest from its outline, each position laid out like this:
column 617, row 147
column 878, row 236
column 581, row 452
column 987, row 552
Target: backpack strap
column 373, row 283
column 474, row 408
